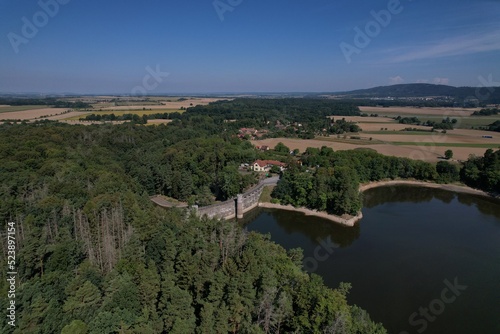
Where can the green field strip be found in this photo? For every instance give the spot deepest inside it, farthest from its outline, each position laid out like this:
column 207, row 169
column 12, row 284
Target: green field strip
column 445, row 144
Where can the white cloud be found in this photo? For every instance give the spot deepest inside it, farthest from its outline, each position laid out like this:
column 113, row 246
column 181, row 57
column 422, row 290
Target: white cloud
column 441, row 81
column 396, row 80
column 456, row 46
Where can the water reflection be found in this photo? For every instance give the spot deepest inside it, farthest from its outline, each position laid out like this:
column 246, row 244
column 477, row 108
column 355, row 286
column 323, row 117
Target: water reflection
column 487, row 206
column 410, row 240
column 314, row 228
column 409, row 194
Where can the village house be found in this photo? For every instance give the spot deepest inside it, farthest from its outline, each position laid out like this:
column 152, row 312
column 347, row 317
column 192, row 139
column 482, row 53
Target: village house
column 251, row 133
column 266, row 165
column 247, row 132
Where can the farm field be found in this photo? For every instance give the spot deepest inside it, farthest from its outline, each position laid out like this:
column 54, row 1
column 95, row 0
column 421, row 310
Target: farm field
column 385, row 135
column 102, row 106
column 463, row 116
column 165, row 103
column 6, row 108
column 158, row 121
column 413, row 111
column 31, row 114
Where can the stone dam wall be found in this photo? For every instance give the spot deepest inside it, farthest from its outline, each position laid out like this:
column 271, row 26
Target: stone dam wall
column 236, row 207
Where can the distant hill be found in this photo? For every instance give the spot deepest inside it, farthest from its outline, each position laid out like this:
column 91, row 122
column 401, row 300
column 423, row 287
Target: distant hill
column 486, row 95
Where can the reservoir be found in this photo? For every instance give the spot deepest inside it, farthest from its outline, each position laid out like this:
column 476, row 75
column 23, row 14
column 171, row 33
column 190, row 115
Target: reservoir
column 420, row 261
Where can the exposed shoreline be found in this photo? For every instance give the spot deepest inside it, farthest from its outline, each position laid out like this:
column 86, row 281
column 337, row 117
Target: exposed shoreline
column 448, row 187
column 347, row 221
column 352, row 220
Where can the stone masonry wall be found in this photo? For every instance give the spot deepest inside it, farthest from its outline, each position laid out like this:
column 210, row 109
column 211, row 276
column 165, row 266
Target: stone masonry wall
column 225, row 210
column 251, row 198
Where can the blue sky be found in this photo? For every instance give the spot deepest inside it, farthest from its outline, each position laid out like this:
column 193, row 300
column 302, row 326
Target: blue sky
column 89, row 46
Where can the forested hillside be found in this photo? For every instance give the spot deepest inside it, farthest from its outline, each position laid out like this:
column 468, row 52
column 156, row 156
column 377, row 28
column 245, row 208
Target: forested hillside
column 95, row 256
column 488, row 95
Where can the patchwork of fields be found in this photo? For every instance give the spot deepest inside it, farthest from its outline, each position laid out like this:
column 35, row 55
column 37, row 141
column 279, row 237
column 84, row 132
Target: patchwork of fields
column 385, row 135
column 102, row 106
column 382, row 133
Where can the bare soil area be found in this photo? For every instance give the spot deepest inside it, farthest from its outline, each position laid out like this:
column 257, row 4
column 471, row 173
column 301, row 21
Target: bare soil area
column 32, row 114
column 168, row 105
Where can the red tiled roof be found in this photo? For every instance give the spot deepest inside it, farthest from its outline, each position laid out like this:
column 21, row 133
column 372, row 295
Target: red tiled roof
column 264, row 163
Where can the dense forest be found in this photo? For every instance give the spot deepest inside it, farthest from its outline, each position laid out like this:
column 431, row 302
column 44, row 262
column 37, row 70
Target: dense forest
column 445, row 124
column 290, row 117
column 486, row 112
column 130, row 117
column 329, row 181
column 95, row 256
column 495, row 126
column 483, row 172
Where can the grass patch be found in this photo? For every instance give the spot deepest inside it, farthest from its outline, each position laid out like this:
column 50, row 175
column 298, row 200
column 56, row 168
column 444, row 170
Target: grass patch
column 265, row 197
column 388, row 132
column 362, row 141
column 388, row 121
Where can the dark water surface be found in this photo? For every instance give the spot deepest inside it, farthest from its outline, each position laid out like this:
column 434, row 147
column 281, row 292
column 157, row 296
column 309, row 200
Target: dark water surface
column 421, row 260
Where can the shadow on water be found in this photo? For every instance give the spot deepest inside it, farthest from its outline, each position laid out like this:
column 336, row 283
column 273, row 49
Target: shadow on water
column 314, row 228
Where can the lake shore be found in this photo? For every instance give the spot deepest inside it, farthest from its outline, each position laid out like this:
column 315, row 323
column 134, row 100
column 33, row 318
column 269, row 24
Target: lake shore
column 350, row 221
column 448, row 187
column 346, row 220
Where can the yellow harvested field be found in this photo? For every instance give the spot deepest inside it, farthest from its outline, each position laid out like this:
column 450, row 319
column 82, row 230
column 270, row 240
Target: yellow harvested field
column 72, row 114
column 168, row 105
column 452, row 136
column 32, row 114
column 451, row 112
column 425, row 148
